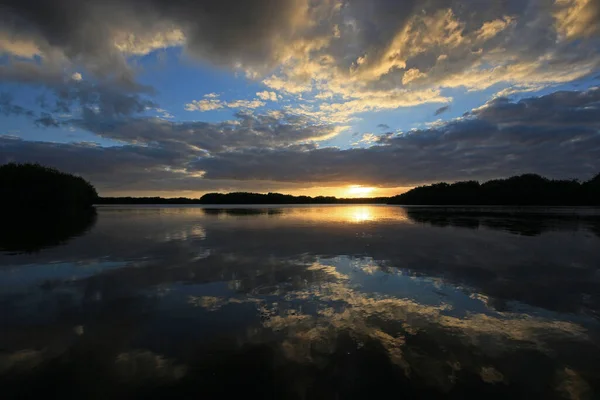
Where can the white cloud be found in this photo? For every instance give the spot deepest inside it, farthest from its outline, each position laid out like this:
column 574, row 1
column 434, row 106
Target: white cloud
column 164, row 113
column 267, row 96
column 245, row 104
column 19, row 48
column 279, row 83
column 204, row 105
column 147, row 42
column 577, row 18
column 367, row 139
column 212, row 102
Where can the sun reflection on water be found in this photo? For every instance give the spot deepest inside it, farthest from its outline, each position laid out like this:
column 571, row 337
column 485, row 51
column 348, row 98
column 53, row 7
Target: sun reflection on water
column 361, row 214
column 348, row 214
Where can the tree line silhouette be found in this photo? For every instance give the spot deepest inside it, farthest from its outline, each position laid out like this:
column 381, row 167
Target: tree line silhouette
column 243, row 198
column 278, row 198
column 147, row 200
column 34, row 186
column 526, row 190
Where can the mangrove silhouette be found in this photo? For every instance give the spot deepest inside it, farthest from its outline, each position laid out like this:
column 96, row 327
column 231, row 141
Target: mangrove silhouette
column 42, row 207
column 525, row 190
column 35, row 187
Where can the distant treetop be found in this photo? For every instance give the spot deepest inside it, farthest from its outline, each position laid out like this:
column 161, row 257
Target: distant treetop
column 243, row 198
column 278, row 198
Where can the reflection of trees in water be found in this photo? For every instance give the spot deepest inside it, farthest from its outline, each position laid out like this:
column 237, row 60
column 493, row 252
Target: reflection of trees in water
column 30, row 231
column 595, row 228
column 520, row 223
column 242, row 211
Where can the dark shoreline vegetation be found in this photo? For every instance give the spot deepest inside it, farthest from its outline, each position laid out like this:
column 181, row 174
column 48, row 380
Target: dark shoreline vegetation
column 35, row 187
column 243, row 198
column 42, row 207
column 522, row 190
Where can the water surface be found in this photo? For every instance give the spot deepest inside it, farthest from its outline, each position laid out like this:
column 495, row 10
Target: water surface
column 314, row 302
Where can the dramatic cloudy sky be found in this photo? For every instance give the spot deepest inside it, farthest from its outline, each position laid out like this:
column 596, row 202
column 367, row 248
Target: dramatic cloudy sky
column 180, row 97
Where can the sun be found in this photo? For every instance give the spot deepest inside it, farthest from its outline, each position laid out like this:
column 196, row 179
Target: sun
column 358, row 191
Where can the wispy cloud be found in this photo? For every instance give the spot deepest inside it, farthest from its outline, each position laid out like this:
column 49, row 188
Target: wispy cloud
column 441, row 110
column 212, row 102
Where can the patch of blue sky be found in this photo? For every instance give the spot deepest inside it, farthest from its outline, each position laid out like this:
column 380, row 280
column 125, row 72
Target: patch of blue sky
column 179, row 80
column 404, row 119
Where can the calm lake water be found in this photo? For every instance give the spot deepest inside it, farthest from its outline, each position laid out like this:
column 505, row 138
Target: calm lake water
column 317, row 302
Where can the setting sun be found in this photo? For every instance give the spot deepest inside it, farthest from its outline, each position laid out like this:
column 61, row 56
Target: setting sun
column 359, row 191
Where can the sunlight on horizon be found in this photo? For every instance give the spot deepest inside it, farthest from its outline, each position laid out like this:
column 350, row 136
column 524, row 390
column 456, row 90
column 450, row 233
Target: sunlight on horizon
column 350, row 191
column 359, row 191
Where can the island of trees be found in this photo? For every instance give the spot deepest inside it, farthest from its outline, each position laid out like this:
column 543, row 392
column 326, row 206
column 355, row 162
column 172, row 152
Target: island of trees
column 42, row 207
column 33, row 187
column 523, row 190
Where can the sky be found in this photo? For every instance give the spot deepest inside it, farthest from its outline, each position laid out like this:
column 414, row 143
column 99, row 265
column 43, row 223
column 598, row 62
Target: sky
column 349, row 98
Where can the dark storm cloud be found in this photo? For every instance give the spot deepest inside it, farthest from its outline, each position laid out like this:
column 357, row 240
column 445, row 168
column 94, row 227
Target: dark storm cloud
column 46, row 120
column 579, row 18
column 441, row 110
column 490, row 143
column 109, row 98
column 96, row 37
column 383, row 126
column 258, row 34
column 108, row 165
column 564, row 108
column 8, row 108
column 226, row 31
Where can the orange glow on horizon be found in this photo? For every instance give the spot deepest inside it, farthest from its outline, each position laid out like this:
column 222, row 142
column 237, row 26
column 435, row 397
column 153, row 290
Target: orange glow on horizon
column 337, row 191
column 359, row 191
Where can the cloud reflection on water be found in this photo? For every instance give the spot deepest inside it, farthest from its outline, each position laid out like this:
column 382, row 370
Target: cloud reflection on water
column 180, row 294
